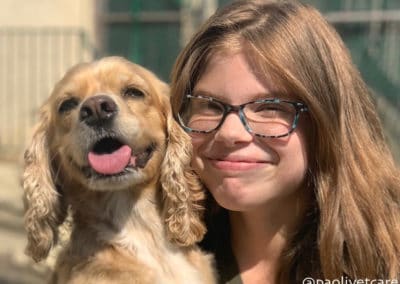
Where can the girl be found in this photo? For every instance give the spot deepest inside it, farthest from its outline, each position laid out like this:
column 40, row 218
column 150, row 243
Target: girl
column 288, row 143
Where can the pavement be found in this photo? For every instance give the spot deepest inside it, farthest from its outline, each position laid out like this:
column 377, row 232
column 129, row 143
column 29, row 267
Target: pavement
column 15, row 266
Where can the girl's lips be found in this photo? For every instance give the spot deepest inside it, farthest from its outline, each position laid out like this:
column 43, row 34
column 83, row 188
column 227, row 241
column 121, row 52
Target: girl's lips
column 236, row 165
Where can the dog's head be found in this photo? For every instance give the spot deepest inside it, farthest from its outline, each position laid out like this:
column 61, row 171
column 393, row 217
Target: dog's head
column 108, row 126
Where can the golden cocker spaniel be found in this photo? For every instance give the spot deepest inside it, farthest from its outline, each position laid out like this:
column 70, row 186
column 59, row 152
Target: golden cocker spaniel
column 108, row 150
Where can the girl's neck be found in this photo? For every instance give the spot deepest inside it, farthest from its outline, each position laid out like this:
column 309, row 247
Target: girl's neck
column 259, row 237
column 256, row 248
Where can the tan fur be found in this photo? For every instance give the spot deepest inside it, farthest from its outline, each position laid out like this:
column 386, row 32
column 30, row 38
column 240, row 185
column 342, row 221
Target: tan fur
column 136, row 229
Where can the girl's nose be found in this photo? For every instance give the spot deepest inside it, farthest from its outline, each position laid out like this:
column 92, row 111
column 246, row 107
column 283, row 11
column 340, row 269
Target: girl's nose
column 232, row 131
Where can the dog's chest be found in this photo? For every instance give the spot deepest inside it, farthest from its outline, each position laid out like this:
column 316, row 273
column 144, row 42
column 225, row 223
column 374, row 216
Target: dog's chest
column 169, row 264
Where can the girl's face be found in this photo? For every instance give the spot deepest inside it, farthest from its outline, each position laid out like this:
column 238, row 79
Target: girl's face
column 242, row 171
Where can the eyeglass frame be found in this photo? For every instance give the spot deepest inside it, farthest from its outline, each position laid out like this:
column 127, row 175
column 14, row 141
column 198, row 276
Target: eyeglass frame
column 228, row 108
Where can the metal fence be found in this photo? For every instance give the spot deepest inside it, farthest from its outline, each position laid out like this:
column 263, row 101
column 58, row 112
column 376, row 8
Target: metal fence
column 32, row 60
column 371, row 30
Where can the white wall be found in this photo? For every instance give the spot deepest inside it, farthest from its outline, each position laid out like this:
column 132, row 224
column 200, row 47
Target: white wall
column 40, row 13
column 35, row 51
column 50, row 13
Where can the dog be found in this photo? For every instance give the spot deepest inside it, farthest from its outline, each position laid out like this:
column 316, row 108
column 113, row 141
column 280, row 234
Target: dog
column 107, row 150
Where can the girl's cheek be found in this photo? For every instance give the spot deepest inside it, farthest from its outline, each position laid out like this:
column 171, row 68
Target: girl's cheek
column 197, row 140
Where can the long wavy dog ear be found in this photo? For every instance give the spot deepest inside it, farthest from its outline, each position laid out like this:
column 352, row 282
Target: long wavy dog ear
column 183, row 192
column 43, row 210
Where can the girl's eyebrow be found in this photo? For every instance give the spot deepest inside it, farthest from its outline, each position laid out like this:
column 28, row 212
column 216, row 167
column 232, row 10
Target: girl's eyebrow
column 204, row 93
column 257, row 96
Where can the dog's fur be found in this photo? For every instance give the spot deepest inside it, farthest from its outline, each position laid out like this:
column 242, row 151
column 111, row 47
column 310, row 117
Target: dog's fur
column 138, row 226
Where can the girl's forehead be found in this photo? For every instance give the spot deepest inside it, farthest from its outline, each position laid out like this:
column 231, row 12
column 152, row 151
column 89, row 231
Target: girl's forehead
column 231, row 78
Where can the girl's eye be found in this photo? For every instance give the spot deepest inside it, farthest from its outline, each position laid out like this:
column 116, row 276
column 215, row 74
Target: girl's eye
column 268, row 107
column 133, row 92
column 68, row 105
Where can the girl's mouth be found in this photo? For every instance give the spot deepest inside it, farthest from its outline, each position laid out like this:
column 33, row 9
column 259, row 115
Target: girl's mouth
column 235, row 165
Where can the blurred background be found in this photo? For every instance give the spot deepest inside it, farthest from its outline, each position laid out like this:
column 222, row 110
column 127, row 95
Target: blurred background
column 41, row 39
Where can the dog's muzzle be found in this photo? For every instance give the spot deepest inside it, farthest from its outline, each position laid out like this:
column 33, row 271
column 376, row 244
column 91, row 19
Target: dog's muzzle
column 110, row 154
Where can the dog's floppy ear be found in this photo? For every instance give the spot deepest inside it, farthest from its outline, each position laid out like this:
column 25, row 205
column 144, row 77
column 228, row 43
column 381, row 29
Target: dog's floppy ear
column 182, row 190
column 43, row 211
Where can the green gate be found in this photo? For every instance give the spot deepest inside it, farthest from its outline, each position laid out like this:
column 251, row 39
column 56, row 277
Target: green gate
column 146, row 32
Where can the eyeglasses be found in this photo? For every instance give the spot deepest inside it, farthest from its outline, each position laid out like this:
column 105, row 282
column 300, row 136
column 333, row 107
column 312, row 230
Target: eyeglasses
column 268, row 118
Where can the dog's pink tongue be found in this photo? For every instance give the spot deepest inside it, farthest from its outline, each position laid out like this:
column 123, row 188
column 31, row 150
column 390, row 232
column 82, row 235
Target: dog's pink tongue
column 113, row 163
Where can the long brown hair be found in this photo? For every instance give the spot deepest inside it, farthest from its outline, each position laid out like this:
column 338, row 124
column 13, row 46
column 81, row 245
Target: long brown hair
column 353, row 229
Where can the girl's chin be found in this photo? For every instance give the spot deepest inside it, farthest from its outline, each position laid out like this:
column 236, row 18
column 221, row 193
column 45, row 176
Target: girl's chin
column 233, row 203
column 234, row 195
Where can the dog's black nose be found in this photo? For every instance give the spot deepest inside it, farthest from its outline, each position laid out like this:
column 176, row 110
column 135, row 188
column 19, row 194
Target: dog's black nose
column 98, row 110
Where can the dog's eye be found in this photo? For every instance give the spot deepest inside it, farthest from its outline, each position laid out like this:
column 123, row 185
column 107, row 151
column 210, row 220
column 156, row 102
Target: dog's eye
column 133, row 92
column 68, row 105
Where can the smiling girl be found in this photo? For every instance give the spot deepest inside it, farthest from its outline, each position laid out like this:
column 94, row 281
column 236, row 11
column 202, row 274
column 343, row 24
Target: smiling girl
column 289, row 145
